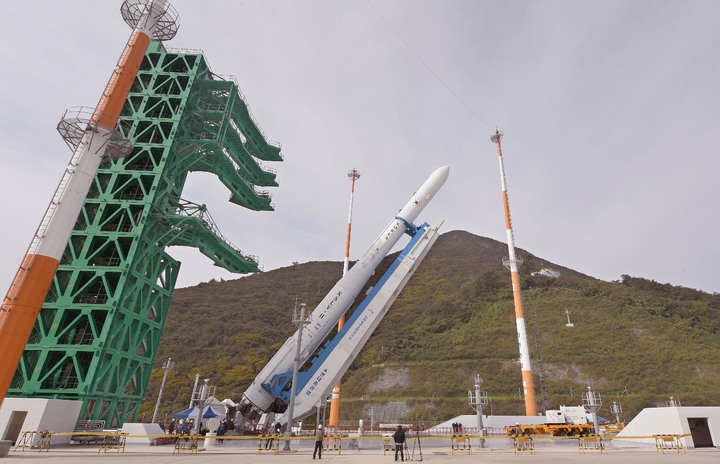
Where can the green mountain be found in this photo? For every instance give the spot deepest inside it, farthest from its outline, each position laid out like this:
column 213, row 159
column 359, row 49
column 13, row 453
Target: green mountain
column 636, row 341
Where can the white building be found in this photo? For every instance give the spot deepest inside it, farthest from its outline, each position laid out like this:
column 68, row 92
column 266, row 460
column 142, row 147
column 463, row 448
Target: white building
column 700, row 424
column 36, row 414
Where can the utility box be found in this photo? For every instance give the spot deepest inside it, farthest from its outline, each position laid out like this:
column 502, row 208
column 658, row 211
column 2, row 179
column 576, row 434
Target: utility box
column 554, row 416
column 566, row 415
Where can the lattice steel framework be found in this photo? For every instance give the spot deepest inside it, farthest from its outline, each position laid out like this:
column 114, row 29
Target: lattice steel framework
column 97, row 334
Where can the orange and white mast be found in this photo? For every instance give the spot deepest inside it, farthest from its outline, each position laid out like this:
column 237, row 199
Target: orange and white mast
column 334, row 419
column 353, row 175
column 93, row 137
column 512, row 262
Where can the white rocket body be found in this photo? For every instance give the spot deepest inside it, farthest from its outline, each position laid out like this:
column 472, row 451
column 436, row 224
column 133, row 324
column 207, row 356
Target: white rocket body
column 325, row 316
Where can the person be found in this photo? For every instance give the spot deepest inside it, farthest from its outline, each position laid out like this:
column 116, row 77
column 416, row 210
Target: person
column 221, row 431
column 171, row 426
column 178, row 430
column 318, row 442
column 271, row 438
column 399, row 438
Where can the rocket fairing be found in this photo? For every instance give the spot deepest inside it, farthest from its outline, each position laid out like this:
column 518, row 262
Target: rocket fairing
column 340, row 298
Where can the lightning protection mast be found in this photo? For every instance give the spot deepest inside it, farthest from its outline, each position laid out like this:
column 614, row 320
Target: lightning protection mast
column 512, row 262
column 94, row 138
column 334, row 420
column 353, row 175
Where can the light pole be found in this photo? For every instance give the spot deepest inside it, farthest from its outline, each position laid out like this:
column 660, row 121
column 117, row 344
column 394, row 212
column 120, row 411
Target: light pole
column 593, row 402
column 325, row 406
column 317, row 413
column 203, row 394
column 300, row 321
column 478, row 403
column 192, row 395
column 167, row 365
column 616, row 410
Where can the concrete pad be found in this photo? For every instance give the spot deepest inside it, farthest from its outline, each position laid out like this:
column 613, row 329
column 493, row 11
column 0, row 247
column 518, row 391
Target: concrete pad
column 546, row 453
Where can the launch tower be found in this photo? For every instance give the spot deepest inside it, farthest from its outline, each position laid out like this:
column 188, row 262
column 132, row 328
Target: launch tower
column 98, row 331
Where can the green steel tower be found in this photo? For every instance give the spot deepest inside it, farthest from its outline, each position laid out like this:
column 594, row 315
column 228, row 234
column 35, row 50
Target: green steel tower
column 98, row 332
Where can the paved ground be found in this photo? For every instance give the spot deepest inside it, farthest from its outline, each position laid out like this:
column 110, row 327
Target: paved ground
column 139, row 454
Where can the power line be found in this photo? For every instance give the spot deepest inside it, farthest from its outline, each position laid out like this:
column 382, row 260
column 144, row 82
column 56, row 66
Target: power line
column 427, row 66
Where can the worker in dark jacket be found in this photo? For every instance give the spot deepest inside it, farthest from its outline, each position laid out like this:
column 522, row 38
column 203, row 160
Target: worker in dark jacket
column 399, row 438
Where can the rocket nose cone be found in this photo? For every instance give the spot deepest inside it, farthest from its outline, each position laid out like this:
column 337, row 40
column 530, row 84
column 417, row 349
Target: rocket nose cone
column 426, row 193
column 442, row 172
column 438, row 178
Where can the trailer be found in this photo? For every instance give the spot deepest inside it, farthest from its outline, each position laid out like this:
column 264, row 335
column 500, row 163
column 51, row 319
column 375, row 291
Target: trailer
column 568, row 421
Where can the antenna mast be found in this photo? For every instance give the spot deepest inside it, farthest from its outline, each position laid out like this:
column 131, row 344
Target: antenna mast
column 512, row 262
column 567, row 313
column 353, row 175
column 334, row 420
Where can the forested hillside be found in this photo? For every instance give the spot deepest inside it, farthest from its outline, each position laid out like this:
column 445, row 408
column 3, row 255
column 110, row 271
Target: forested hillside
column 634, row 340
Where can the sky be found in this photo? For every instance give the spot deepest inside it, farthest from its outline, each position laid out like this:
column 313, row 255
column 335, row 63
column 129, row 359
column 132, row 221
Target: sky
column 610, row 111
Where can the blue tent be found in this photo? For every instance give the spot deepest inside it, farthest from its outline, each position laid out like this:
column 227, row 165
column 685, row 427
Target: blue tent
column 208, row 413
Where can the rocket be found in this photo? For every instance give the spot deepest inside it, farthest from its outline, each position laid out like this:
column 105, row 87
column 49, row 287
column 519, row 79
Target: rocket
column 20, row 308
column 257, row 399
